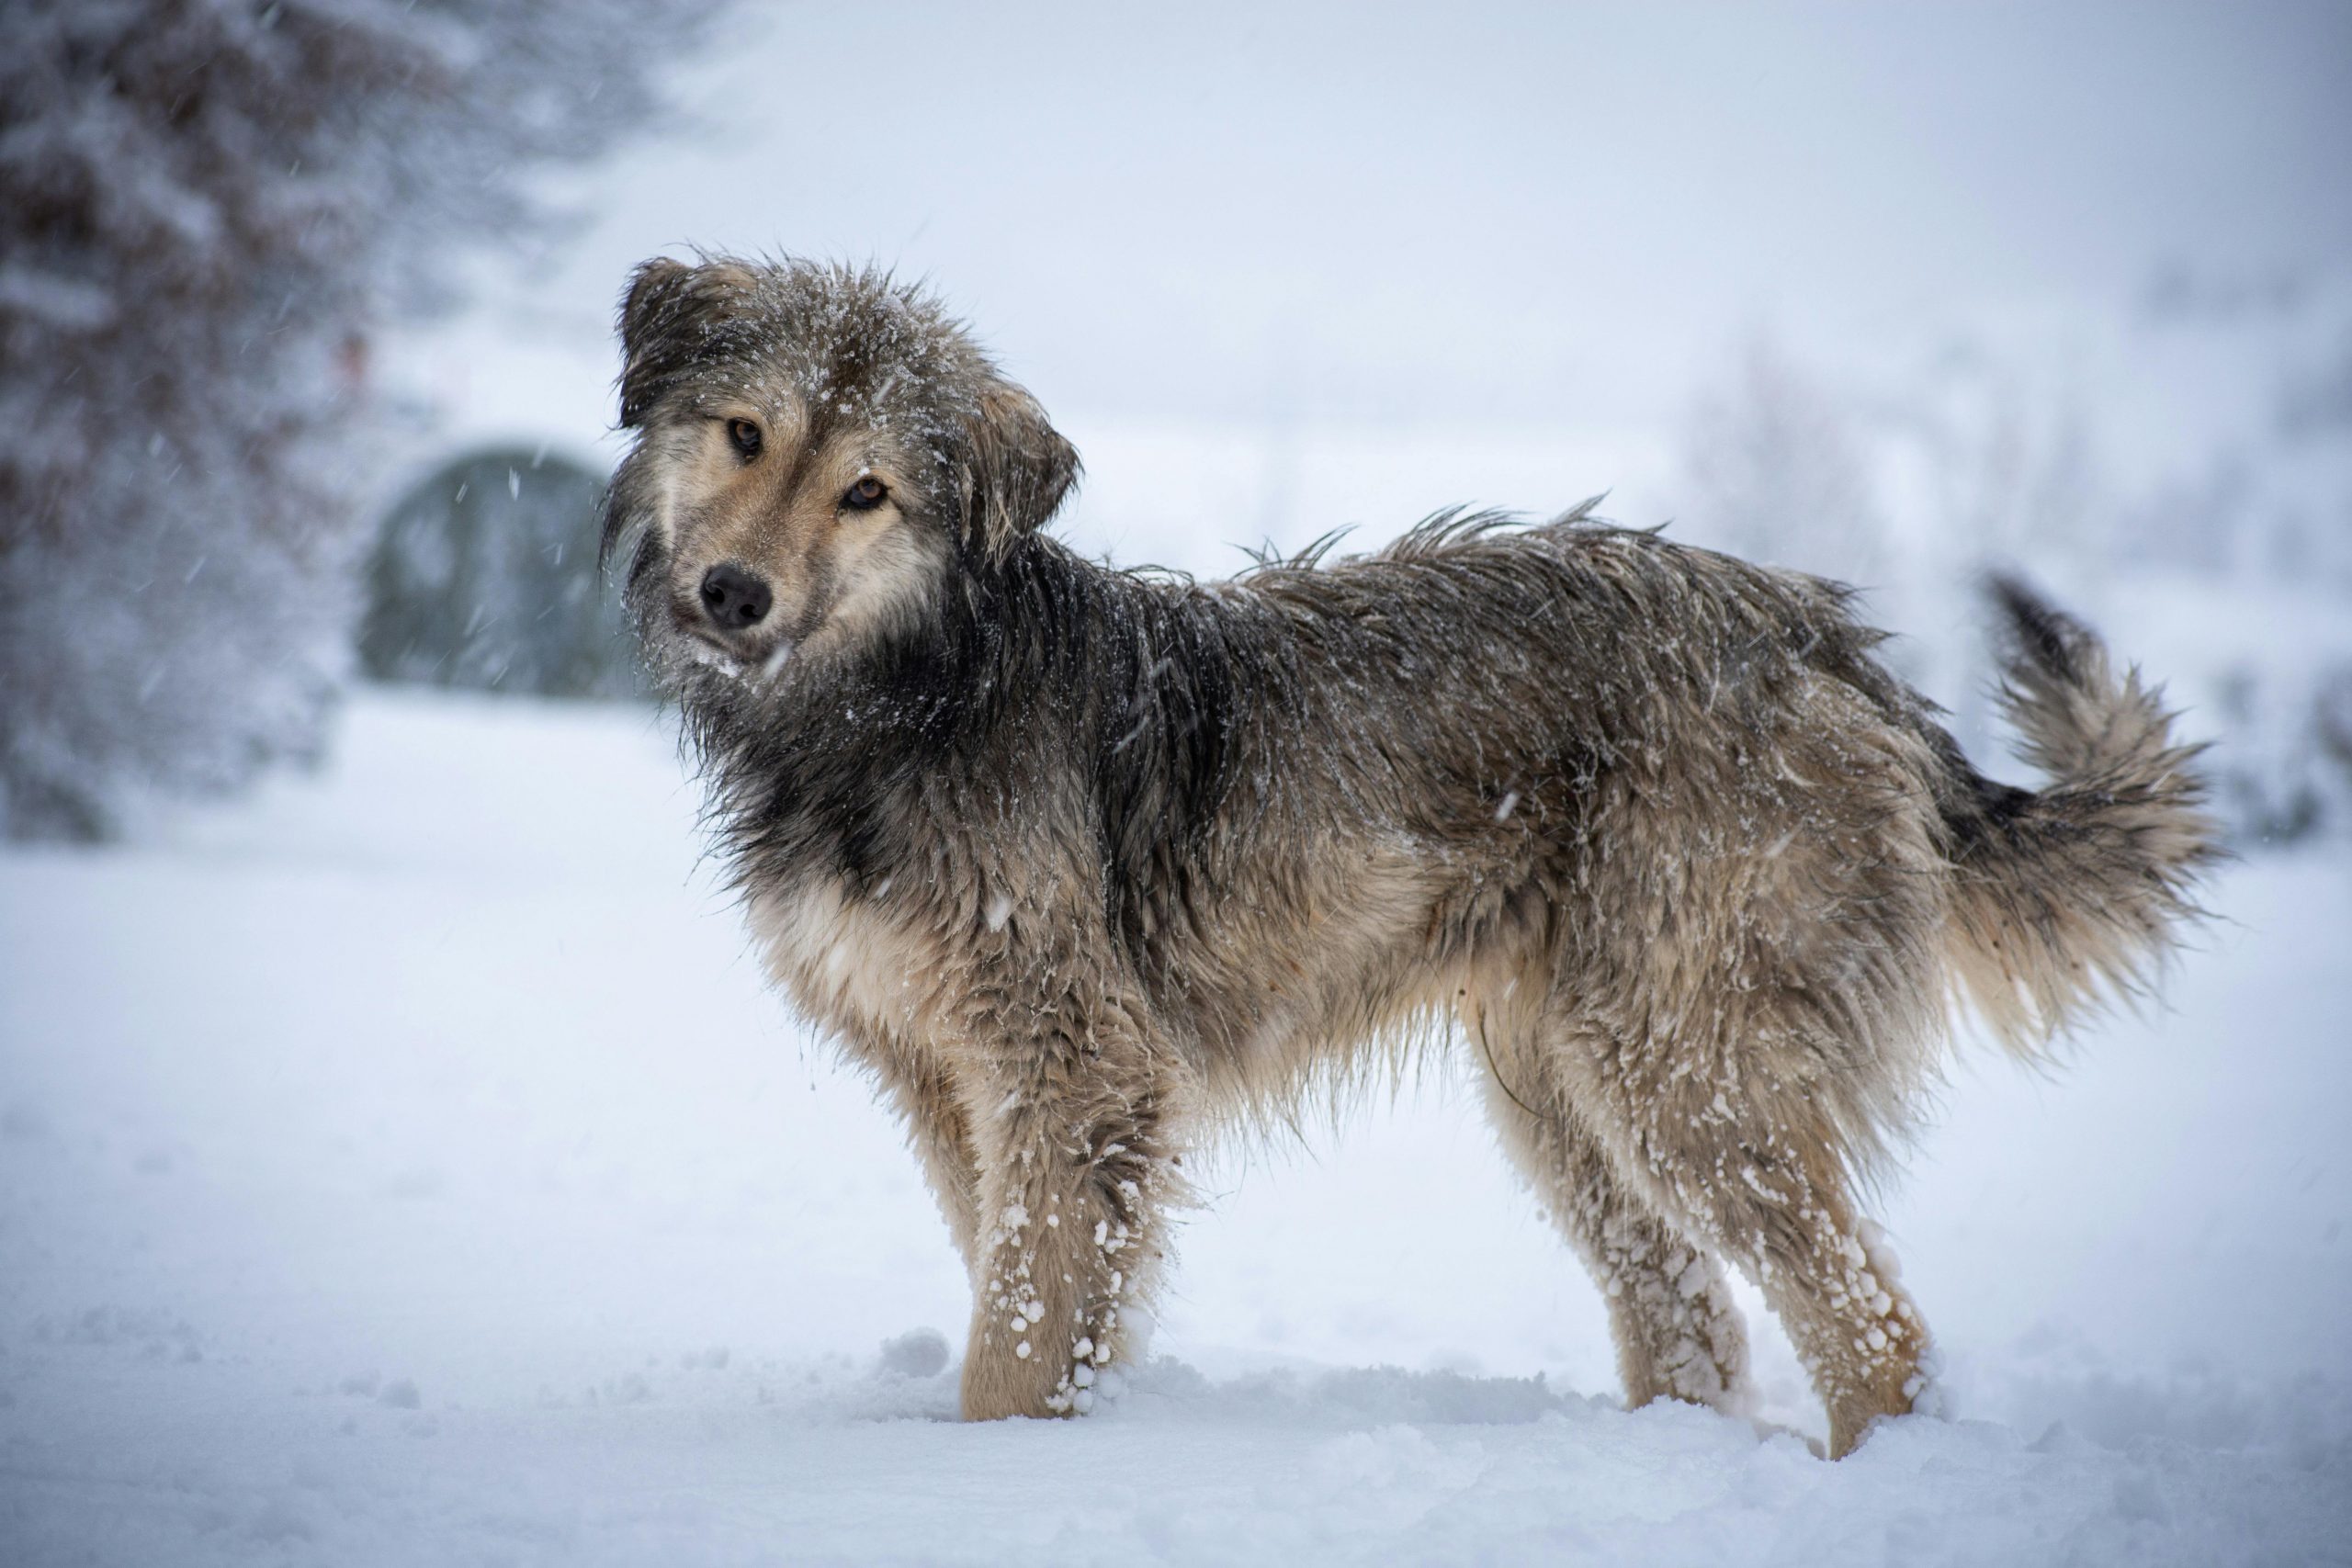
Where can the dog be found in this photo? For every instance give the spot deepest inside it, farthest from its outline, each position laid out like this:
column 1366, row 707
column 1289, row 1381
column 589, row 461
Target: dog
column 1086, row 866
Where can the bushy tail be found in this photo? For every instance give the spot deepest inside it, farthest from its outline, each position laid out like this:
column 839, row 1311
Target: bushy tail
column 2074, row 893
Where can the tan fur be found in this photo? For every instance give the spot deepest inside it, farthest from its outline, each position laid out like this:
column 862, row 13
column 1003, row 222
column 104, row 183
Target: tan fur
column 1088, row 869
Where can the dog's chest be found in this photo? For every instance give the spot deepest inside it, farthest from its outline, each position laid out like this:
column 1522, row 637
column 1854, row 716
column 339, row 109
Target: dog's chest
column 849, row 961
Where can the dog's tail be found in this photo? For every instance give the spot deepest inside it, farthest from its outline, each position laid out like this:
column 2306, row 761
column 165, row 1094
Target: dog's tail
column 2072, row 895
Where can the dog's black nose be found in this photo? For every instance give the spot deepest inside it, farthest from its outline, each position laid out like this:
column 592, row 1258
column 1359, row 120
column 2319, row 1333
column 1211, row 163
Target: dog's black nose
column 734, row 598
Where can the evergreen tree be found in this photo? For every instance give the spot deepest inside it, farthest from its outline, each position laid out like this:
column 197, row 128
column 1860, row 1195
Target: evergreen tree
column 206, row 207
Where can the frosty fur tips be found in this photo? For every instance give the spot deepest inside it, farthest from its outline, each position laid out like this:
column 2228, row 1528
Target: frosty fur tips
column 1088, row 866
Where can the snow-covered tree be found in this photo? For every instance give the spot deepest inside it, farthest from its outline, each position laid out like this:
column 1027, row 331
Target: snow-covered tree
column 206, row 207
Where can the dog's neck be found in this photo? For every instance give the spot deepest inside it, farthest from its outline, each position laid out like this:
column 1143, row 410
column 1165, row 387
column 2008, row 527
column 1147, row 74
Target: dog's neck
column 801, row 767
column 838, row 766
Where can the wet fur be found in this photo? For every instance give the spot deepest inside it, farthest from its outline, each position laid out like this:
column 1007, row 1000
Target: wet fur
column 1088, row 867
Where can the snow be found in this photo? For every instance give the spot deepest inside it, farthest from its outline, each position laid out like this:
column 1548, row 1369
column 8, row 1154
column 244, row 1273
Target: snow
column 409, row 1165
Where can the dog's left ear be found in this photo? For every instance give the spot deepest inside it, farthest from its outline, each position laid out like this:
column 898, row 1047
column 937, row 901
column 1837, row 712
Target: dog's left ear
column 1014, row 470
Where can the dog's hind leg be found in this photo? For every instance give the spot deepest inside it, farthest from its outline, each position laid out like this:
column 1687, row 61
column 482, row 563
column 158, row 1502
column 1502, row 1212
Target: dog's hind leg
column 1677, row 1328
column 1752, row 1165
column 1787, row 1213
column 1070, row 1112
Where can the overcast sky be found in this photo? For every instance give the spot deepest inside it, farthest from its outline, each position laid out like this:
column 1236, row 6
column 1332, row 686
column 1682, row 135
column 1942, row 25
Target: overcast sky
column 1528, row 215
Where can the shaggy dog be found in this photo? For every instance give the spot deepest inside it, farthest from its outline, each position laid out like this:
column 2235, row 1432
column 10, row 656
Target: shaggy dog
column 1086, row 866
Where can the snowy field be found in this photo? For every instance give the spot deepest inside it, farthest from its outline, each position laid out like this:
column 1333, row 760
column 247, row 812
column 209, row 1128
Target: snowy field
column 408, row 1166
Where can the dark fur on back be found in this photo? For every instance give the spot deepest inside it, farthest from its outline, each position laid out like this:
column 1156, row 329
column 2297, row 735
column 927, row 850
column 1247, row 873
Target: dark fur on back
column 1088, row 865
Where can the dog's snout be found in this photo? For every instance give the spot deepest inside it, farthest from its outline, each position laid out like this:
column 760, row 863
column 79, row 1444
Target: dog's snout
column 734, row 598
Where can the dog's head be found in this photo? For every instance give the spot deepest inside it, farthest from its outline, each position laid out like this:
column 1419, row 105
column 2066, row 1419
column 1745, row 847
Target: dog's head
column 817, row 451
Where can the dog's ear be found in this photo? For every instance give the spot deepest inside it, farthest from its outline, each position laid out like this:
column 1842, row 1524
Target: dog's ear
column 671, row 314
column 1014, row 470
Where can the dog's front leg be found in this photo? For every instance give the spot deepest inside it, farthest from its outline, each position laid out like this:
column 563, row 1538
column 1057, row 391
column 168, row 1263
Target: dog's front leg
column 915, row 1080
column 1070, row 1118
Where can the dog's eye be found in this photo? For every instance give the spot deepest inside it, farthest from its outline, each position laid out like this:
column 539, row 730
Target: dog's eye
column 866, row 494
column 745, row 437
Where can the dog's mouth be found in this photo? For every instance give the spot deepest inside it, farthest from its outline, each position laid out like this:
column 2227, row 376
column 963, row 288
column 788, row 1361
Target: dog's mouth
column 753, row 666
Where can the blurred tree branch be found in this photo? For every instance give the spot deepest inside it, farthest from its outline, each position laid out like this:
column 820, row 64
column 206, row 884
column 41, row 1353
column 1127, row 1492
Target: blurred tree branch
column 207, row 209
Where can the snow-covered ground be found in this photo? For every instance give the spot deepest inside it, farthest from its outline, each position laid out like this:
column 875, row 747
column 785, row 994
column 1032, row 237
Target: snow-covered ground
column 409, row 1167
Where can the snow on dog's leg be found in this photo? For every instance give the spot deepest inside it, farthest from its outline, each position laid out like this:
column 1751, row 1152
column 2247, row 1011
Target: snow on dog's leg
column 1860, row 1336
column 1772, row 1193
column 1074, row 1180
column 1677, row 1328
